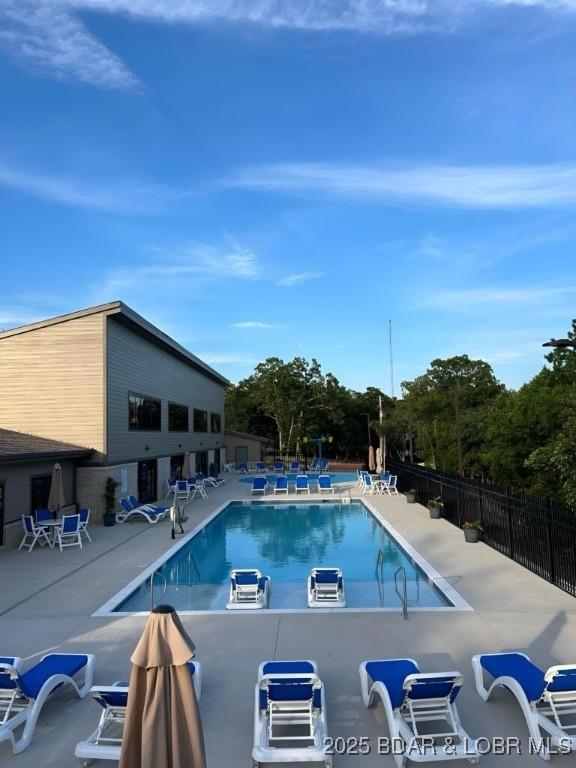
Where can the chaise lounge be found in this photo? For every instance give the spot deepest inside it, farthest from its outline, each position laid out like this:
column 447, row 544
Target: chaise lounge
column 248, row 589
column 326, row 588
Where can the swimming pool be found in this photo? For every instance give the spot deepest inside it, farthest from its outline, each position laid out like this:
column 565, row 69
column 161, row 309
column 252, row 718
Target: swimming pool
column 284, row 540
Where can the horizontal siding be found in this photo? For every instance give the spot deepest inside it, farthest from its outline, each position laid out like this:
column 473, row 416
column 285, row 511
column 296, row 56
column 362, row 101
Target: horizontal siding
column 136, row 365
column 17, row 490
column 52, row 382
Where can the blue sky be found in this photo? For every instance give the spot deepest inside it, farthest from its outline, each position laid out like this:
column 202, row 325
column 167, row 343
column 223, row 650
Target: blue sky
column 264, row 177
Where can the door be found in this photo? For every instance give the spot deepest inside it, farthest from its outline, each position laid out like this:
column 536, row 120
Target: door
column 202, row 462
column 147, row 490
column 241, row 454
column 1, row 513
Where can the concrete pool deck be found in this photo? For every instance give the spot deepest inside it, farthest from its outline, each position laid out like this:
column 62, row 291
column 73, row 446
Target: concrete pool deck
column 48, row 598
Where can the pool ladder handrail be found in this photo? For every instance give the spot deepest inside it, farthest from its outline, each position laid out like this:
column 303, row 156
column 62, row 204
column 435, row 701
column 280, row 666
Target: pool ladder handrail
column 191, row 562
column 379, row 573
column 164, row 577
column 404, row 596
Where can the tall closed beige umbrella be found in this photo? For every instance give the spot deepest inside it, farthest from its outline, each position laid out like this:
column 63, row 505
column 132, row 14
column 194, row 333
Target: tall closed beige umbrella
column 56, row 498
column 162, row 728
column 371, row 462
column 186, row 469
column 379, row 467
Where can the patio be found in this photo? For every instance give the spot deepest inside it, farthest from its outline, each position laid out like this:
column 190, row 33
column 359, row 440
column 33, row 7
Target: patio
column 47, row 602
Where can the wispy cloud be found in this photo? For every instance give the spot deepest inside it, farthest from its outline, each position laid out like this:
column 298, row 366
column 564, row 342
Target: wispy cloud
column 227, row 358
column 474, row 297
column 301, row 277
column 252, row 324
column 122, row 197
column 489, row 187
column 182, row 270
column 49, row 35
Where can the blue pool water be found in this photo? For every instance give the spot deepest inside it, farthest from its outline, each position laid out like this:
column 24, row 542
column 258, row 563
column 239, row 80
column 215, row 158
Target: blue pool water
column 337, row 477
column 284, row 541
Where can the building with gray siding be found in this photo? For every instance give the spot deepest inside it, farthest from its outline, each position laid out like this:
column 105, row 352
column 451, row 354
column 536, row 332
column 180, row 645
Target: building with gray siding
column 106, row 379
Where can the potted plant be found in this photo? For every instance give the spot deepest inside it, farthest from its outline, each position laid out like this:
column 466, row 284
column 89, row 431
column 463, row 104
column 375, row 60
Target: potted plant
column 472, row 531
column 435, row 507
column 411, row 496
column 109, row 497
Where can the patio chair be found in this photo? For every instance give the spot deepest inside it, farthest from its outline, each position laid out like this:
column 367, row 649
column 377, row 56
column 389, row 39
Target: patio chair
column 248, row 589
column 302, row 484
column 412, row 698
column 84, row 513
column 326, row 588
column 181, row 491
column 129, row 511
column 260, row 466
column 33, row 533
column 26, row 693
column 105, row 743
column 281, row 484
column 211, row 481
column 313, row 466
column 68, row 534
column 259, row 485
column 369, row 484
column 323, row 465
column 325, row 484
column 359, row 478
column 196, row 487
column 278, row 466
column 391, row 486
column 170, row 488
column 243, row 468
column 289, row 715
column 43, row 514
column 294, row 466
column 157, row 508
column 547, row 699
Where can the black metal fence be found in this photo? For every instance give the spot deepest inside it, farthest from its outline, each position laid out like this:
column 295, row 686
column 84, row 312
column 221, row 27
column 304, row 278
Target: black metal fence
column 536, row 532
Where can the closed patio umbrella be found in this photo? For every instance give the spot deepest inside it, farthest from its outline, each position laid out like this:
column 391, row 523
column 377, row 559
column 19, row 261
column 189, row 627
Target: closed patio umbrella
column 162, row 727
column 186, row 469
column 56, row 498
column 371, row 463
column 379, row 468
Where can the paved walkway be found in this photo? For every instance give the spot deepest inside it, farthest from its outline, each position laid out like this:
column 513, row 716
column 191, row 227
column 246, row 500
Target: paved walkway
column 47, row 599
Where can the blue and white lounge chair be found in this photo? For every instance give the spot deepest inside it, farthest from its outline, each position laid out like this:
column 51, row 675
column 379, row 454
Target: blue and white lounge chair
column 33, row 534
column 23, row 694
column 281, row 484
column 314, row 465
column 302, row 484
column 243, row 468
column 294, row 466
column 248, row 589
column 547, row 699
column 106, row 741
column 150, row 507
column 289, row 715
column 259, row 485
column 323, row 465
column 278, row 466
column 130, row 511
column 260, row 466
column 326, row 588
column 411, row 697
column 325, row 484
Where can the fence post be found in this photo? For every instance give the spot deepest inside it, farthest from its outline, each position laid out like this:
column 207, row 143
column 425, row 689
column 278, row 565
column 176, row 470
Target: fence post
column 550, row 544
column 458, row 504
column 481, row 506
column 509, row 521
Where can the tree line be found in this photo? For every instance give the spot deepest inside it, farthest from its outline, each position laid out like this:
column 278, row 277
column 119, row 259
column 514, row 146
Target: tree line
column 455, row 417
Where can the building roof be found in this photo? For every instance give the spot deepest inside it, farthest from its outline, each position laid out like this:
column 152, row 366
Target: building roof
column 247, row 435
column 122, row 313
column 18, row 446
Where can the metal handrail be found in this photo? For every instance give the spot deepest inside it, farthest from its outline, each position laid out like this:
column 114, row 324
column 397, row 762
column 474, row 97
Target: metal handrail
column 152, row 603
column 192, row 562
column 404, row 596
column 379, row 574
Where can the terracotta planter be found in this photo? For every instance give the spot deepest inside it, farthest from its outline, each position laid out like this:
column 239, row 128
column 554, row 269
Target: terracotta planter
column 471, row 535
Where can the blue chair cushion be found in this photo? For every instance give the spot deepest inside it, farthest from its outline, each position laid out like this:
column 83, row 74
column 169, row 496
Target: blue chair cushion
column 112, row 698
column 297, row 689
column 53, row 664
column 326, row 577
column 392, row 674
column 565, row 680
column 262, row 582
column 246, row 578
column 437, row 688
column 529, row 677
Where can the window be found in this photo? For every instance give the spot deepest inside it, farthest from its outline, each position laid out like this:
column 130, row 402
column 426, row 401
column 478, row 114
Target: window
column 200, row 420
column 1, row 512
column 39, row 492
column 144, row 413
column 177, row 418
column 215, row 422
